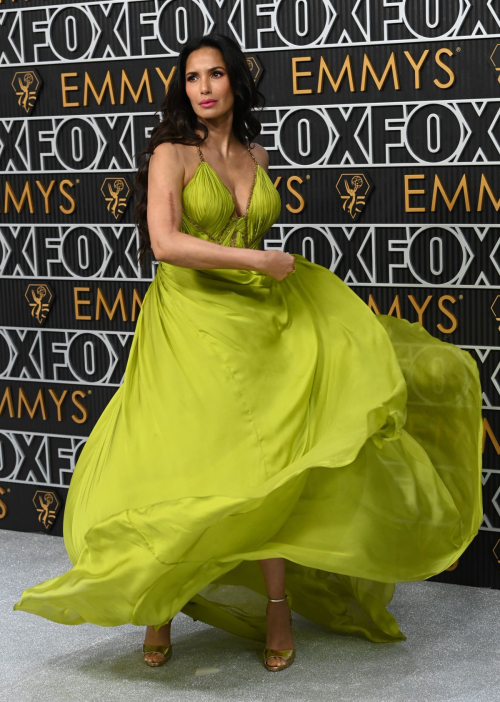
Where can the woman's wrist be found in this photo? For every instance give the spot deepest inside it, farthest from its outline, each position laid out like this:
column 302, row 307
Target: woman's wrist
column 256, row 259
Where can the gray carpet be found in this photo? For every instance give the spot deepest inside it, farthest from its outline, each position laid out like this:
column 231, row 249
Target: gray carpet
column 452, row 651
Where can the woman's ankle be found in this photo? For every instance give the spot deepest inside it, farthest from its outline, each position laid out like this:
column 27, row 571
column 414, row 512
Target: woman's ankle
column 160, row 633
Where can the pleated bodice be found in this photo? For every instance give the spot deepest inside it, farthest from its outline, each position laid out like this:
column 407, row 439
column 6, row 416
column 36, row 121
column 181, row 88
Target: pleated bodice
column 208, row 208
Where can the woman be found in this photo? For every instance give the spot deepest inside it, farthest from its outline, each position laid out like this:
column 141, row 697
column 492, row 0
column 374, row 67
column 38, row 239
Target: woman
column 272, row 438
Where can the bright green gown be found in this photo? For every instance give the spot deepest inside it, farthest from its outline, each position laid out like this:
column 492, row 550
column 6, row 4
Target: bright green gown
column 262, row 418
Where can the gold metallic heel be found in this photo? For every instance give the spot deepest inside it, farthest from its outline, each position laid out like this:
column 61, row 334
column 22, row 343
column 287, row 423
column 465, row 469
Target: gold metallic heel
column 166, row 652
column 288, row 654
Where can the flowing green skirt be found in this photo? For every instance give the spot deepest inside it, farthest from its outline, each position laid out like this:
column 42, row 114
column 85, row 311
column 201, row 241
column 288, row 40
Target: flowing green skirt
column 261, row 419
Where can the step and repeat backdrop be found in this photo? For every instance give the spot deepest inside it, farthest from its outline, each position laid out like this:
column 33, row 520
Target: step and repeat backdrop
column 383, row 128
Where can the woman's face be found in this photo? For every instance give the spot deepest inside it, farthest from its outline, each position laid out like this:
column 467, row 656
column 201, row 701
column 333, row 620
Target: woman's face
column 207, row 81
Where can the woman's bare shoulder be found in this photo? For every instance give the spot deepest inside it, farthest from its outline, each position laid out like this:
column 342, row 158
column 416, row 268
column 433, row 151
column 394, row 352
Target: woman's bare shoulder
column 181, row 159
column 169, row 150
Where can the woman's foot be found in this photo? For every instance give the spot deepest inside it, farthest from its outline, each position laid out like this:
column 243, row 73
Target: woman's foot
column 160, row 637
column 279, row 630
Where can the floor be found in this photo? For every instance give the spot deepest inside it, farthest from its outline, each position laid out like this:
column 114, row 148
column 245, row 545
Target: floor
column 452, row 650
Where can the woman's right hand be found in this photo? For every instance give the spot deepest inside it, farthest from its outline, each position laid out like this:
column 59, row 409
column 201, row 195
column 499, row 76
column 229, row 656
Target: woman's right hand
column 277, row 264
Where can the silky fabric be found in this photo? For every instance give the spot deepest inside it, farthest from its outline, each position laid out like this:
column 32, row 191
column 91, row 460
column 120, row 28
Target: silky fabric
column 261, row 419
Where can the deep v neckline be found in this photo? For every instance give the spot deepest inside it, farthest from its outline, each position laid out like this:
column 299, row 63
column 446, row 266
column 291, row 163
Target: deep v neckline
column 235, row 214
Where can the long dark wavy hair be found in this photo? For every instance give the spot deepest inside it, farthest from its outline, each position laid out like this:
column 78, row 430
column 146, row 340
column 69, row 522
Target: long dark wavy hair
column 179, row 120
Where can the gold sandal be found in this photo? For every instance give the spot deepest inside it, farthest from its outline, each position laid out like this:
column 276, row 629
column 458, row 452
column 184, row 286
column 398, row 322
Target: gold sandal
column 288, row 654
column 166, row 652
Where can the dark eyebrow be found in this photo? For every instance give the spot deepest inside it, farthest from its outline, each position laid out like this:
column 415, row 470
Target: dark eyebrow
column 210, row 69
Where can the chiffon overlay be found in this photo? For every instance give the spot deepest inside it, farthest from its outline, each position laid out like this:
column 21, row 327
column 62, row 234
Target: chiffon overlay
column 257, row 419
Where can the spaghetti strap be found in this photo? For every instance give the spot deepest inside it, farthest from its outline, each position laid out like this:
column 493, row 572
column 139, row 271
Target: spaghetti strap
column 251, row 154
column 200, row 152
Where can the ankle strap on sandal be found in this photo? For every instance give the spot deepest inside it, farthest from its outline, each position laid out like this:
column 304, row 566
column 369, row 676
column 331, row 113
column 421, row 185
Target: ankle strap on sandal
column 279, row 600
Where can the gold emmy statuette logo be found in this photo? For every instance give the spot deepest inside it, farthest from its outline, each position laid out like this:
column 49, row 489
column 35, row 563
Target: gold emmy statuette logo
column 116, row 192
column 495, row 59
column 495, row 308
column 47, row 505
column 496, row 551
column 39, row 297
column 255, row 67
column 353, row 188
column 26, row 85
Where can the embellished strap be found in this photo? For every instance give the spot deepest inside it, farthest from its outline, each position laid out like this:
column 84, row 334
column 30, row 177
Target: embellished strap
column 200, row 152
column 251, row 154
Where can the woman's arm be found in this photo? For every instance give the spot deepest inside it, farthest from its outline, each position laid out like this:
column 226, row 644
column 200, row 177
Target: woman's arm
column 164, row 214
